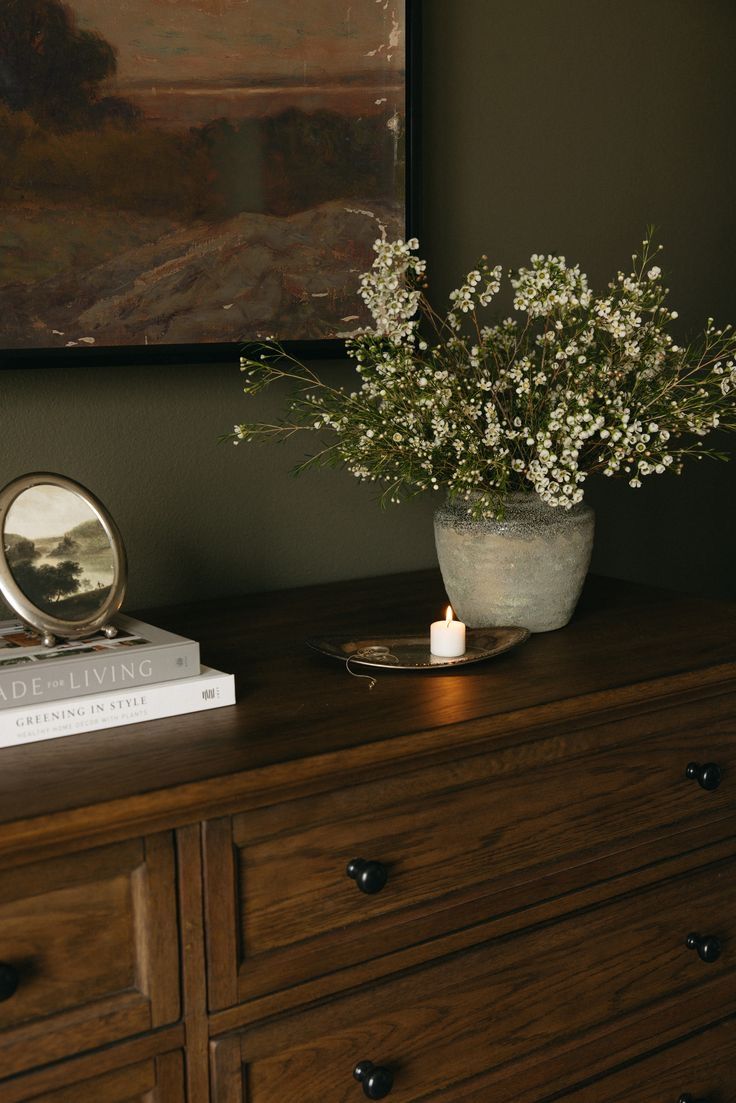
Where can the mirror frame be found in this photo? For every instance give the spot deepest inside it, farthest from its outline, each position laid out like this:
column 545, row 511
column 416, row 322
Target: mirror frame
column 12, row 594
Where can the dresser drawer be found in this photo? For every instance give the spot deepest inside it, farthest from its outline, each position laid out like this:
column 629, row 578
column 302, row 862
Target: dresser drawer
column 703, row 1067
column 455, row 841
column 89, row 943
column 481, row 1020
column 152, row 1080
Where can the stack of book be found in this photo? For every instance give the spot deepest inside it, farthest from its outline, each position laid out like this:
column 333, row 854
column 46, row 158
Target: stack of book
column 144, row 673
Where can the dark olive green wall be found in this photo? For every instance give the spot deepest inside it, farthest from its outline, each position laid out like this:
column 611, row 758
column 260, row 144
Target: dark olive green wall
column 566, row 125
column 570, row 126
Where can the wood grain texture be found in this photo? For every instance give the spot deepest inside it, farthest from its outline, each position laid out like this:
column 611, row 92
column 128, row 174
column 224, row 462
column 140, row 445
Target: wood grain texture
column 704, row 1066
column 85, row 936
column 194, row 977
column 157, row 1080
column 226, row 1067
column 97, row 824
column 575, row 889
column 157, row 929
column 154, row 1060
column 131, row 1085
column 546, row 857
column 620, row 1065
column 222, row 897
column 296, row 706
column 93, row 1024
column 448, row 836
column 169, row 1086
column 512, row 1002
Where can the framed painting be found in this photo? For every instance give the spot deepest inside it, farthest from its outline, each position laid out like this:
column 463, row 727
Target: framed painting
column 179, row 178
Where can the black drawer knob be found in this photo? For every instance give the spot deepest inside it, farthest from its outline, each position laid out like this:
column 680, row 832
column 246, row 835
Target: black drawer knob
column 707, row 776
column 377, row 1081
column 707, row 945
column 8, row 981
column 687, row 1098
column 370, row 877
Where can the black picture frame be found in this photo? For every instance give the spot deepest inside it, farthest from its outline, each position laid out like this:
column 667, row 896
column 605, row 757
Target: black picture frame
column 230, row 352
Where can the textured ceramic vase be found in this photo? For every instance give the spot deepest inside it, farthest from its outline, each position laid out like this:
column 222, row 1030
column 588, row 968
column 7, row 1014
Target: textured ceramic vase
column 527, row 569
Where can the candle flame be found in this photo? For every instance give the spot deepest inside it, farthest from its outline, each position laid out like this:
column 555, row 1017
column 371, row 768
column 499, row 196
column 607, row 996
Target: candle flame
column 449, row 615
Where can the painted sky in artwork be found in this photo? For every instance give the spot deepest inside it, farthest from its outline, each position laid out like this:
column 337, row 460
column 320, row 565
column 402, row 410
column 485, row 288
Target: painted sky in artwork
column 160, row 41
column 46, row 510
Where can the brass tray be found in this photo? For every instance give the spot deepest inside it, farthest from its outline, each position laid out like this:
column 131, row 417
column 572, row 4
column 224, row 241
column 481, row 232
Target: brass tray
column 411, row 652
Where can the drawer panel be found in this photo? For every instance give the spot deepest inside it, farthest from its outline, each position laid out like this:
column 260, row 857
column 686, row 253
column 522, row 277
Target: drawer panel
column 152, row 1080
column 470, row 830
column 703, row 1066
column 475, row 1021
column 90, row 940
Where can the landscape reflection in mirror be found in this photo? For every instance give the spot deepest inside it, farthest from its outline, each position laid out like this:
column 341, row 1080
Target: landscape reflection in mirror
column 58, row 552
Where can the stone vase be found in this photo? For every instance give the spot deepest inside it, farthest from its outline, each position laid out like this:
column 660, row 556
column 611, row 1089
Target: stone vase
column 527, row 569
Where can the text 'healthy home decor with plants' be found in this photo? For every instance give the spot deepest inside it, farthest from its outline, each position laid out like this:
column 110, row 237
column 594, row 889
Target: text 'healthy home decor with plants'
column 511, row 418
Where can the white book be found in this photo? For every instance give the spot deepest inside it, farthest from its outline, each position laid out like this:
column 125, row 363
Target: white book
column 210, row 689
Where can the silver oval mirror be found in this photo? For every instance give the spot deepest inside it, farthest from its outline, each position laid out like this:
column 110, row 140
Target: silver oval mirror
column 62, row 562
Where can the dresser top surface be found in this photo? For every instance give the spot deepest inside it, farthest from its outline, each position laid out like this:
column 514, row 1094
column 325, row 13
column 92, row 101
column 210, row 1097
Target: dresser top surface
column 294, row 704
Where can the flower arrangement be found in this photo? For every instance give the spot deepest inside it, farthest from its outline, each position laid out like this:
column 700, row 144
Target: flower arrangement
column 572, row 384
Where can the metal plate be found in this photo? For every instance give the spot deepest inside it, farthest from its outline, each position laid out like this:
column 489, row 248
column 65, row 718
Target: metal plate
column 411, row 652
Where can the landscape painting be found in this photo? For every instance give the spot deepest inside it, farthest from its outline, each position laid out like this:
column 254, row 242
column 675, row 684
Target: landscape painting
column 193, row 172
column 58, row 552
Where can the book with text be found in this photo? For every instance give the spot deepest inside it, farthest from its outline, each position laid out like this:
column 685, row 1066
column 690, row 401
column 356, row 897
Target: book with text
column 140, row 654
column 210, row 689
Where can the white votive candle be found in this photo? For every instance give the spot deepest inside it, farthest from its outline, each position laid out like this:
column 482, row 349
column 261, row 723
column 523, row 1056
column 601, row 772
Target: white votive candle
column 447, row 637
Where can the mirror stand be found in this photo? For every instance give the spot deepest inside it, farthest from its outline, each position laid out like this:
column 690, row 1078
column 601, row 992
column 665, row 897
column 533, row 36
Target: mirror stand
column 109, row 630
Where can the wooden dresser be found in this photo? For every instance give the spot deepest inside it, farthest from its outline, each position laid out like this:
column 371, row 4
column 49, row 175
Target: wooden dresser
column 515, row 883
